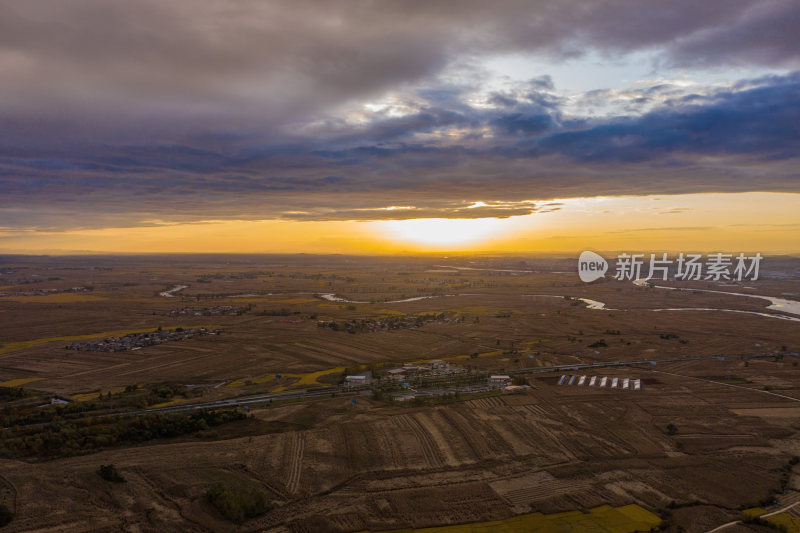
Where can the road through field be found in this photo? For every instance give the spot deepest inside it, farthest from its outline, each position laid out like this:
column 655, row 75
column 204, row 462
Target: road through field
column 730, row 385
column 771, row 513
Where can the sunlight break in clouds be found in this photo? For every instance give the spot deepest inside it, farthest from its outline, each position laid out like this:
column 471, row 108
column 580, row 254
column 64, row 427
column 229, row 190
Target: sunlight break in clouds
column 444, row 233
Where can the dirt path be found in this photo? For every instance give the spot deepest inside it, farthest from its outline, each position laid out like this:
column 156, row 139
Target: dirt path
column 729, row 385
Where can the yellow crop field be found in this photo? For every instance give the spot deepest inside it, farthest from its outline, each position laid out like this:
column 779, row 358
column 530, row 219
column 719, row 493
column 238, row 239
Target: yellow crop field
column 475, row 309
column 19, row 381
column 297, row 301
column 791, row 523
column 171, row 402
column 310, row 378
column 307, row 378
column 242, row 382
column 530, row 344
column 603, row 519
column 22, row 345
column 364, row 308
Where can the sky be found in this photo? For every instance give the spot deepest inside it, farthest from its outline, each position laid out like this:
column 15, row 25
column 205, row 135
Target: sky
column 385, row 127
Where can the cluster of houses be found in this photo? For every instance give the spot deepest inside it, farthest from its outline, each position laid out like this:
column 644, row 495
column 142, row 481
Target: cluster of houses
column 23, row 281
column 429, row 369
column 370, row 325
column 211, row 311
column 45, row 292
column 137, row 341
column 602, row 382
column 434, row 373
column 435, row 367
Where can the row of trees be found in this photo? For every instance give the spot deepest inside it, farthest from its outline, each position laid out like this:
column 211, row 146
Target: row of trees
column 77, row 437
column 132, row 397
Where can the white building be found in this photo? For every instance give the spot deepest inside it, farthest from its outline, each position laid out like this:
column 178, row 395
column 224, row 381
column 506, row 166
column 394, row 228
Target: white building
column 359, row 379
column 396, row 373
column 500, row 381
column 438, row 364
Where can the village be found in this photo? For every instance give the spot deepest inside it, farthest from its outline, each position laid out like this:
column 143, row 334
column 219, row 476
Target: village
column 137, row 341
column 211, row 311
column 46, row 292
column 431, row 379
column 388, row 323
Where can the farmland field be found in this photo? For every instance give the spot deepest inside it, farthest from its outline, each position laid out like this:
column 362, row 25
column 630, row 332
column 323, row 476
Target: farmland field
column 712, row 431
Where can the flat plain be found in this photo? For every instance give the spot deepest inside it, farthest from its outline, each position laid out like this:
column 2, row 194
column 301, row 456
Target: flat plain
column 713, row 431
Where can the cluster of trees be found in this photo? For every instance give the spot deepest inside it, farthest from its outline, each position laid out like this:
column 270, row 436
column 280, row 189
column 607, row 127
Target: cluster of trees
column 132, row 397
column 237, row 505
column 109, row 473
column 167, row 391
column 86, row 435
column 20, row 416
column 11, row 393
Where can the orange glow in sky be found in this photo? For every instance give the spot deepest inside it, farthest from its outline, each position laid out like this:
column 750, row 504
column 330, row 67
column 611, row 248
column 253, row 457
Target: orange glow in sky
column 766, row 222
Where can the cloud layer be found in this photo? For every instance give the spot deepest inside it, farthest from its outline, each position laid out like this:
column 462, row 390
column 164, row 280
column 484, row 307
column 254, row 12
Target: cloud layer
column 119, row 112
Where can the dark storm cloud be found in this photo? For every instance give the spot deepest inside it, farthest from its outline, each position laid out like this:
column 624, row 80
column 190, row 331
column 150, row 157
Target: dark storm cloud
column 763, row 33
column 124, row 111
column 293, row 55
column 736, row 139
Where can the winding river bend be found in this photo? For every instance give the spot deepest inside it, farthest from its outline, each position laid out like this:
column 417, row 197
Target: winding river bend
column 333, row 298
column 171, row 292
column 781, row 305
column 777, row 304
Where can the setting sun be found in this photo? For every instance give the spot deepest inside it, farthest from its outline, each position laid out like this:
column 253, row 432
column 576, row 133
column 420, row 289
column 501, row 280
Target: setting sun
column 441, row 232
